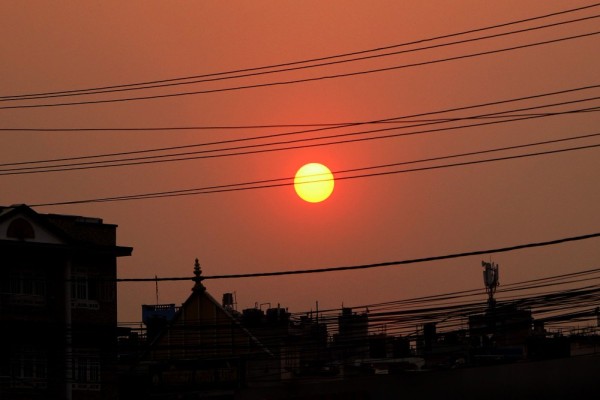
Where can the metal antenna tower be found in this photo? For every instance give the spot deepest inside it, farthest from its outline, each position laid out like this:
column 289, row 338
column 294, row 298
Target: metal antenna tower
column 490, row 280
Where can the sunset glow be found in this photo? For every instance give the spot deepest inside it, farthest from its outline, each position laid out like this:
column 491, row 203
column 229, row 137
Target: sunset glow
column 314, row 182
column 185, row 127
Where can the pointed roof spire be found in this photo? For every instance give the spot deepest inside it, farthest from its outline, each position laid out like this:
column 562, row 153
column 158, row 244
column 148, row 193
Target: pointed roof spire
column 198, row 277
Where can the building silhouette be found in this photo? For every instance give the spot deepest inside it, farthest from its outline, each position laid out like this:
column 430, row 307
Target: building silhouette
column 61, row 340
column 58, row 308
column 204, row 349
column 201, row 350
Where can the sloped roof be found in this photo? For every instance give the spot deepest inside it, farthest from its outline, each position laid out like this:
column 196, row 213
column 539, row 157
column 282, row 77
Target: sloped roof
column 72, row 230
column 197, row 292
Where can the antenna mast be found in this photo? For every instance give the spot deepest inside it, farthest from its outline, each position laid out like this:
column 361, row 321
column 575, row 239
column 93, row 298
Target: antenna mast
column 156, row 282
column 490, row 280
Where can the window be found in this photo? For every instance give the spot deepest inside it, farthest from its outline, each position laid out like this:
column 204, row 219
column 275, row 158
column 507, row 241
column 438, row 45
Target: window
column 86, row 372
column 25, row 287
column 88, row 290
column 24, row 282
column 20, row 229
column 27, row 367
column 79, row 288
column 84, row 293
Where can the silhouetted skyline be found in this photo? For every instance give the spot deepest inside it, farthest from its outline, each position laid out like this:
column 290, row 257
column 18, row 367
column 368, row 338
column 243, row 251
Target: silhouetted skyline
column 378, row 218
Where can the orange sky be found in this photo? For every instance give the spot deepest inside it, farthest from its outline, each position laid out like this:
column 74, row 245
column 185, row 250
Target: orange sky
column 49, row 47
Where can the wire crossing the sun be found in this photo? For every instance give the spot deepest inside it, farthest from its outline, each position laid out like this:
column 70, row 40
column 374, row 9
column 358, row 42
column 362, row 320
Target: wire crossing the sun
column 271, row 183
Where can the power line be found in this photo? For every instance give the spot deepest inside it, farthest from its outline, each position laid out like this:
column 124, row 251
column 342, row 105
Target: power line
column 553, row 307
column 544, row 302
column 331, row 125
column 209, row 127
column 304, row 80
column 289, row 69
column 537, row 283
column 378, row 265
column 169, row 157
column 257, row 184
column 162, row 158
column 317, row 59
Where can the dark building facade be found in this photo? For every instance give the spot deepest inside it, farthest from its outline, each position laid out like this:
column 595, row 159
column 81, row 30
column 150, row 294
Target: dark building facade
column 203, row 349
column 57, row 305
column 502, row 332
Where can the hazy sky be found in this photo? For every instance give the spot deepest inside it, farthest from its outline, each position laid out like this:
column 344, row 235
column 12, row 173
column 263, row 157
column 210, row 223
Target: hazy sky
column 59, row 46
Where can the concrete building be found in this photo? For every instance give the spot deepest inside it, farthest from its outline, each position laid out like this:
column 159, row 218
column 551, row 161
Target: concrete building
column 501, row 332
column 58, row 307
column 352, row 340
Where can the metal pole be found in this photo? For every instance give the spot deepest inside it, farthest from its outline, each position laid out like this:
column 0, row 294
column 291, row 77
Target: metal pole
column 68, row 333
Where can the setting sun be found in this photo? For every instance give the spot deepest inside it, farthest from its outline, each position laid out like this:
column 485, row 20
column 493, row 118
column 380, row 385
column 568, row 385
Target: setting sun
column 314, row 182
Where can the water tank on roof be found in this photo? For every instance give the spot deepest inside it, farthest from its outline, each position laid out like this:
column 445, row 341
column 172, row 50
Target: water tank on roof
column 228, row 300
